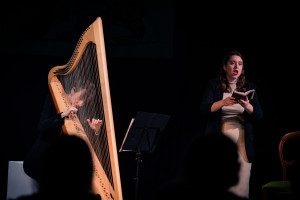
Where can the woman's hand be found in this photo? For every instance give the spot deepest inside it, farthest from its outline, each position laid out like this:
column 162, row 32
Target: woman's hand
column 229, row 101
column 95, row 124
column 68, row 112
column 246, row 104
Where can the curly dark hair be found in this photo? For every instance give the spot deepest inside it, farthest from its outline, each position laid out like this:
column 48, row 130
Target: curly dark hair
column 224, row 84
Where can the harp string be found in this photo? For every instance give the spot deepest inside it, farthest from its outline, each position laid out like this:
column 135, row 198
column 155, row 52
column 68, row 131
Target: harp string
column 85, row 75
column 100, row 143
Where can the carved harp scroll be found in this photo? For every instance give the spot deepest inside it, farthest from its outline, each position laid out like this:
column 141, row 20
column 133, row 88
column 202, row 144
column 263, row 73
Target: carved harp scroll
column 87, row 69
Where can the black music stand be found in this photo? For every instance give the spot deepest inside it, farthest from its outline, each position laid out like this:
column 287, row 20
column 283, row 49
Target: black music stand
column 142, row 136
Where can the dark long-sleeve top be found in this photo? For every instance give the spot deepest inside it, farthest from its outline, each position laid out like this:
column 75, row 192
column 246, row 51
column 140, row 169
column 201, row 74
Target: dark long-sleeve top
column 49, row 128
column 214, row 119
column 50, row 123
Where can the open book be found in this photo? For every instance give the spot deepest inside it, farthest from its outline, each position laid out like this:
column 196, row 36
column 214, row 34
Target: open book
column 242, row 95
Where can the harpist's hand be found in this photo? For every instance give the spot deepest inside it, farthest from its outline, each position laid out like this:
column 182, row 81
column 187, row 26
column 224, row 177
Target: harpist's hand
column 68, row 112
column 95, row 124
column 229, row 101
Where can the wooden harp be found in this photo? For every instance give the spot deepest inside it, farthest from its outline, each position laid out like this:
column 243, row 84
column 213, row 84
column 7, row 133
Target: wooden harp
column 87, row 68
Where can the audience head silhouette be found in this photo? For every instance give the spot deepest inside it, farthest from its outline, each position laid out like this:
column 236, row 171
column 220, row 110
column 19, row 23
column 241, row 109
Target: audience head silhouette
column 212, row 164
column 67, row 168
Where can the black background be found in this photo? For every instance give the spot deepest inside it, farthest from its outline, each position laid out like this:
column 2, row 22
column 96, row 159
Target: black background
column 160, row 55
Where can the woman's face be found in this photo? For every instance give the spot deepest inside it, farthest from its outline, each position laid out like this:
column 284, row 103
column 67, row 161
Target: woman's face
column 77, row 98
column 233, row 68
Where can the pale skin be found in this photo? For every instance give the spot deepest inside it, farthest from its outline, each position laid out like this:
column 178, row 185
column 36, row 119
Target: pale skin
column 233, row 69
column 77, row 101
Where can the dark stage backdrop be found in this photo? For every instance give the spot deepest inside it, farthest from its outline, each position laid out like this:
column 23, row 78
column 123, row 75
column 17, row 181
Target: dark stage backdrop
column 160, row 55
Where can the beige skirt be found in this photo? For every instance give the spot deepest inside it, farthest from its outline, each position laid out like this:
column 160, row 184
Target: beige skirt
column 234, row 129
